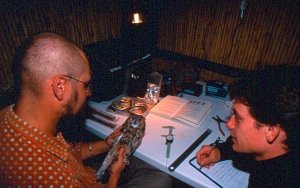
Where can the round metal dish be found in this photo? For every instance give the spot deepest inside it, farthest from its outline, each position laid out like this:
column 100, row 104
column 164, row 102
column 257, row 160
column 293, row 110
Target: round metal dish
column 138, row 110
column 123, row 103
column 140, row 104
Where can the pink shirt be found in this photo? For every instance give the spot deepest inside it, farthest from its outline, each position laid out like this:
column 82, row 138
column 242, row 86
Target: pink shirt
column 31, row 158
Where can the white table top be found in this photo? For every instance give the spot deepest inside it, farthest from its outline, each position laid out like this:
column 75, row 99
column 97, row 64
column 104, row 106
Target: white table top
column 153, row 148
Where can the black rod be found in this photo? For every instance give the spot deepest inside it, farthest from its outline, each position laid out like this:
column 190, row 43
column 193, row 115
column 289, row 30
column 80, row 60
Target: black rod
column 186, row 153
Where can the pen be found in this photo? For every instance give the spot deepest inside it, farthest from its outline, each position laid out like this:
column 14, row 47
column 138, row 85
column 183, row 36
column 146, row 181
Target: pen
column 213, row 145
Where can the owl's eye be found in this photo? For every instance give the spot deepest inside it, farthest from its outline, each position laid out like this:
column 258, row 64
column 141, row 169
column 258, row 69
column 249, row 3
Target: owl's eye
column 134, row 123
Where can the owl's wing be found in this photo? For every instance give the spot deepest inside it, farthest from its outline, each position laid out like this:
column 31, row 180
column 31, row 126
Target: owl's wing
column 131, row 138
column 109, row 158
column 136, row 141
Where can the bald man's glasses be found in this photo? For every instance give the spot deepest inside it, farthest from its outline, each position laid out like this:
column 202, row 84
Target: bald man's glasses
column 87, row 85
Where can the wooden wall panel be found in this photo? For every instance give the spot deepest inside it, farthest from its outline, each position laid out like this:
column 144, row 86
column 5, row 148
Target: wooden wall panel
column 269, row 32
column 82, row 21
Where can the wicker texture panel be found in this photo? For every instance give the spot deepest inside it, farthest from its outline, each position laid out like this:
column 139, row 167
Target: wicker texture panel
column 82, row 21
column 269, row 32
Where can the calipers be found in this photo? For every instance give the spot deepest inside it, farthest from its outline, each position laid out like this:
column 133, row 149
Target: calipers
column 169, row 139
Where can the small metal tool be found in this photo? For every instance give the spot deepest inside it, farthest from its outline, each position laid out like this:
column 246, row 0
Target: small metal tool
column 169, row 139
column 219, row 121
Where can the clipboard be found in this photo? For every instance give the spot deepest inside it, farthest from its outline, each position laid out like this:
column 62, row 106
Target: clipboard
column 223, row 174
column 192, row 162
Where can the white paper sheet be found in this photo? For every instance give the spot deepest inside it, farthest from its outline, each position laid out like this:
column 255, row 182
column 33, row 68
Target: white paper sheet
column 224, row 174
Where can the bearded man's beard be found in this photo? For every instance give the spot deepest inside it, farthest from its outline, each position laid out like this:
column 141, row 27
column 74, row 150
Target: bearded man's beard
column 70, row 105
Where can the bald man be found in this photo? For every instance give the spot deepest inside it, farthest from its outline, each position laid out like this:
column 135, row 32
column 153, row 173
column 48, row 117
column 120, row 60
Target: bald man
column 54, row 76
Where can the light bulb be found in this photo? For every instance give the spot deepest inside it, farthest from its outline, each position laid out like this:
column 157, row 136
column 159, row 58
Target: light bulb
column 243, row 7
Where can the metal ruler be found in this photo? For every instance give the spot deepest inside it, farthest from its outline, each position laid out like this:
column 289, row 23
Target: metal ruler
column 187, row 152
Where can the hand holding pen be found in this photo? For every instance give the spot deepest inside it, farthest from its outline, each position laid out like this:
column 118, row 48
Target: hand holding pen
column 208, row 154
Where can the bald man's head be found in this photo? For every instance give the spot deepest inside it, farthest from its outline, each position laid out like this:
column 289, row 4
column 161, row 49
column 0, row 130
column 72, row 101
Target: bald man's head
column 46, row 55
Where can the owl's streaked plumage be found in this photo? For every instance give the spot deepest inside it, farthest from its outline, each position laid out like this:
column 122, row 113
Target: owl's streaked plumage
column 132, row 133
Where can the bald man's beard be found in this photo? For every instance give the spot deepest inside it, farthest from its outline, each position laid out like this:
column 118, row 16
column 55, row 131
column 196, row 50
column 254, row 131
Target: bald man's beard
column 70, row 105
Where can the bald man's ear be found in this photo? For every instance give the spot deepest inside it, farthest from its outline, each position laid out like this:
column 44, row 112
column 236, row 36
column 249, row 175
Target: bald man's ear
column 272, row 132
column 59, row 88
